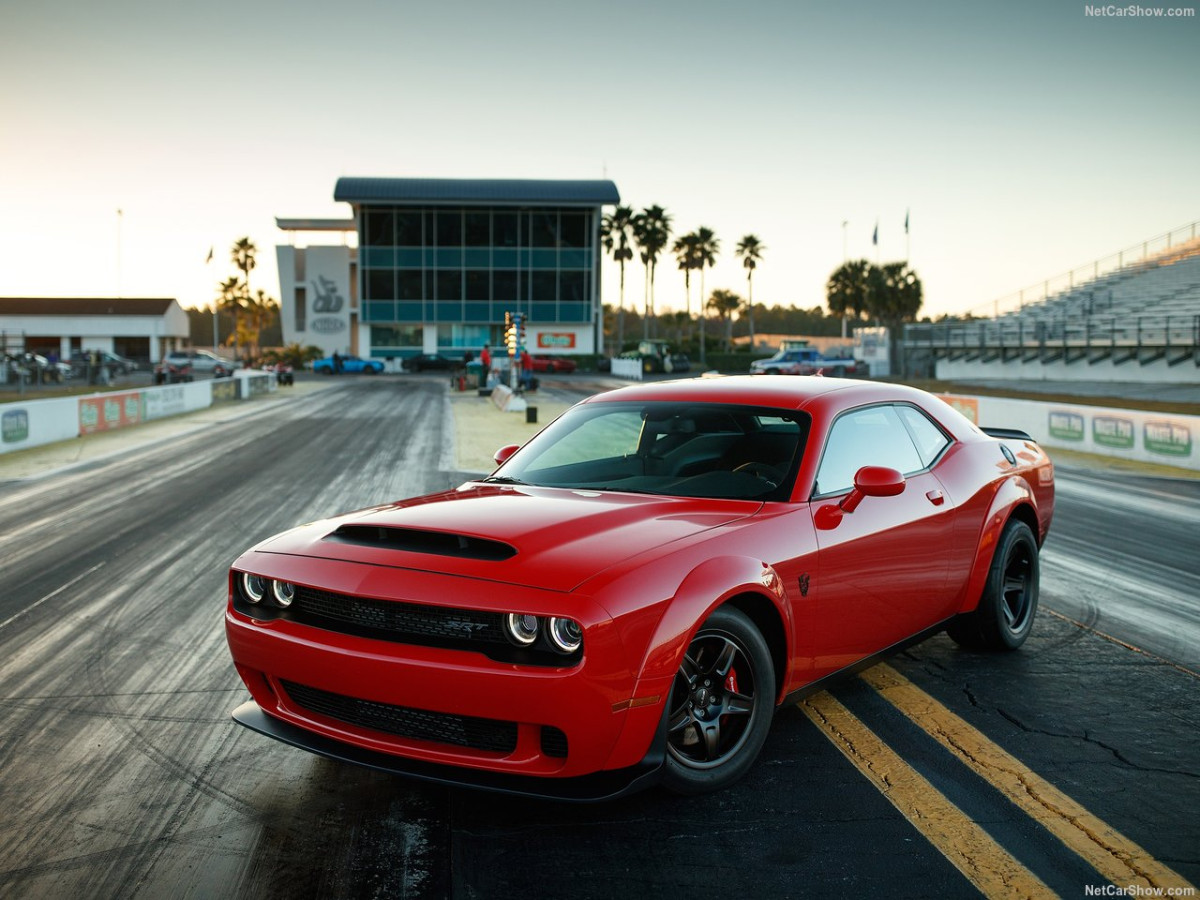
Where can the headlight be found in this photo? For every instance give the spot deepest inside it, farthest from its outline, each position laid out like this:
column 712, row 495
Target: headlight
column 285, row 593
column 253, row 587
column 522, row 629
column 565, row 635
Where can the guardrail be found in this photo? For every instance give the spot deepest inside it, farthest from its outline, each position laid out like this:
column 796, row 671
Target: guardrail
column 1141, row 339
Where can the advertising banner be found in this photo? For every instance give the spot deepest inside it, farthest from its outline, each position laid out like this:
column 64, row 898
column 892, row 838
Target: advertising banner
column 108, row 412
column 1126, row 433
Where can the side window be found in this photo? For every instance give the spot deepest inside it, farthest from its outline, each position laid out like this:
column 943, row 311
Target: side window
column 930, row 439
column 874, row 436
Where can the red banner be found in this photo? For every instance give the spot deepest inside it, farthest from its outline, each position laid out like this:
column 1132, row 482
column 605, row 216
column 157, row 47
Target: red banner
column 109, row 411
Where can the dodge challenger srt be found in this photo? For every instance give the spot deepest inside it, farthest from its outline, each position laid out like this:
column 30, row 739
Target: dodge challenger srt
column 628, row 597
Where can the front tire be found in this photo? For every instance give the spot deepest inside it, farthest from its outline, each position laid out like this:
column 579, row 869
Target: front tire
column 1006, row 610
column 721, row 705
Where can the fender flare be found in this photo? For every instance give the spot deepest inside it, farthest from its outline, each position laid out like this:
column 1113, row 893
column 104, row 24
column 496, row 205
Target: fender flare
column 705, row 588
column 1012, row 496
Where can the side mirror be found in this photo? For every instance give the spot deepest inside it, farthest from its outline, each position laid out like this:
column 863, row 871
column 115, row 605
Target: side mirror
column 501, row 456
column 869, row 481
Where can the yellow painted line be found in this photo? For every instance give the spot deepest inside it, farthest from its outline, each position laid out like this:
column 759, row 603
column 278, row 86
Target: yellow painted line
column 1109, row 852
column 971, row 850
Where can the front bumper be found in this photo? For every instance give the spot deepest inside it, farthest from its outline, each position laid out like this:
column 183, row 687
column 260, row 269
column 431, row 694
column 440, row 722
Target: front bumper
column 452, row 715
column 595, row 787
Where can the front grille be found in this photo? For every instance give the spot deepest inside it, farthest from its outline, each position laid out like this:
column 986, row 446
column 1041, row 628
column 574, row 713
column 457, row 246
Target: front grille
column 395, row 620
column 488, row 735
column 401, row 622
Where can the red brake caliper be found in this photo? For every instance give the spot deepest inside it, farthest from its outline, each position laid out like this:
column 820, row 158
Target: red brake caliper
column 731, row 682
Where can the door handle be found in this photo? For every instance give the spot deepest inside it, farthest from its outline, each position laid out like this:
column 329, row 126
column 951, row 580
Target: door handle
column 937, row 498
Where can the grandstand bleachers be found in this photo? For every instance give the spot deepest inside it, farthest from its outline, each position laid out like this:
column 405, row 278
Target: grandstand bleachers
column 1129, row 321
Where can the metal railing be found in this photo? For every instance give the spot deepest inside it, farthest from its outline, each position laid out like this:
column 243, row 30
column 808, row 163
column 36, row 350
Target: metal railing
column 1175, row 338
column 1160, row 250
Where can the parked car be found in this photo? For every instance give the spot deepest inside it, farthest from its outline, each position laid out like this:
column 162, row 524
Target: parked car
column 553, row 364
column 173, row 372
column 351, row 364
column 83, row 362
column 203, row 361
column 628, row 597
column 35, row 368
column 432, row 361
column 809, row 361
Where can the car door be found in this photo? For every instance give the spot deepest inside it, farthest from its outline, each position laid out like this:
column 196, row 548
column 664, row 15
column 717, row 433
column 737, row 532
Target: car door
column 883, row 567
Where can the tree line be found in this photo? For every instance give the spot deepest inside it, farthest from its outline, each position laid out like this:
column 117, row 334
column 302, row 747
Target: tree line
column 857, row 292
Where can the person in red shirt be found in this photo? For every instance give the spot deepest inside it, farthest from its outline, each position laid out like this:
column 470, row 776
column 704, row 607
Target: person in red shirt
column 526, row 369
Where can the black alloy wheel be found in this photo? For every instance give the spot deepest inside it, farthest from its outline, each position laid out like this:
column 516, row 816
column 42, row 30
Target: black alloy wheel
column 1007, row 608
column 720, row 706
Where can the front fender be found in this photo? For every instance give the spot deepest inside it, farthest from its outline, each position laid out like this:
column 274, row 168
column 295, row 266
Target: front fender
column 709, row 585
column 1012, row 494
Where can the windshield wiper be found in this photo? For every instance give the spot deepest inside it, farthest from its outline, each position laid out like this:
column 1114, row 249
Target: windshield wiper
column 502, row 479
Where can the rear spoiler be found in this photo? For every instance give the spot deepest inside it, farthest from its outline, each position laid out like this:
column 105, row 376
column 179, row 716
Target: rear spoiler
column 1010, row 434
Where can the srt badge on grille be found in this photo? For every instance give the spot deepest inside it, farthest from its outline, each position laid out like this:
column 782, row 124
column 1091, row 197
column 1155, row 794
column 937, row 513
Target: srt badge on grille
column 467, row 628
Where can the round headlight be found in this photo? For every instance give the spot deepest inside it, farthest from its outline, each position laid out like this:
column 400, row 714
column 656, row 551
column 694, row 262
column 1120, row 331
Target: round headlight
column 522, row 628
column 285, row 593
column 253, row 587
column 565, row 635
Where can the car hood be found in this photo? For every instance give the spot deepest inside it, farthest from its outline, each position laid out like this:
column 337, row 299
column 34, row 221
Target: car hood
column 550, row 538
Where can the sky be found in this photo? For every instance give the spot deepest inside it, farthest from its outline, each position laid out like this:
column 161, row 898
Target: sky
column 1020, row 138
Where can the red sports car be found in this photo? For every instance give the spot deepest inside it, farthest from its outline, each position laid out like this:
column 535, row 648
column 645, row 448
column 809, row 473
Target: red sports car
column 629, row 596
column 553, row 364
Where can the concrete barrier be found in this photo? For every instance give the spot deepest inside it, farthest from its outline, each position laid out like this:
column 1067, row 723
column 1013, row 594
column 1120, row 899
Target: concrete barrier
column 1150, row 437
column 32, row 423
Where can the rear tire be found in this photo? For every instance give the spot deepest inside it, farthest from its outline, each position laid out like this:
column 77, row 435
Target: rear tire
column 1008, row 605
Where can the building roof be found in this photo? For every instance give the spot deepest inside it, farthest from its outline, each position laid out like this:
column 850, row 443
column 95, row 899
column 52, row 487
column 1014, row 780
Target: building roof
column 476, row 191
column 314, row 224
column 85, row 306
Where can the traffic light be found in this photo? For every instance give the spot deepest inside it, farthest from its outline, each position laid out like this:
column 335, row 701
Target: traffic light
column 510, row 334
column 514, row 332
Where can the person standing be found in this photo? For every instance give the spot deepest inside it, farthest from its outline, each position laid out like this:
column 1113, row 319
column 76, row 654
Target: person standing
column 485, row 365
column 526, row 369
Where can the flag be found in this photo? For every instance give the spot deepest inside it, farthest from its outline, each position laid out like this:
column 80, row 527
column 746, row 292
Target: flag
column 906, row 221
column 875, row 236
column 210, row 255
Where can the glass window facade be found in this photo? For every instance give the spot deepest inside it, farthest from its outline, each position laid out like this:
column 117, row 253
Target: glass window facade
column 471, row 265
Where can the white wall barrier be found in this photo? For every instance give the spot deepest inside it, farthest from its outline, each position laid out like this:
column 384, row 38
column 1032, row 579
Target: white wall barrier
column 31, row 423
column 627, row 368
column 1150, row 437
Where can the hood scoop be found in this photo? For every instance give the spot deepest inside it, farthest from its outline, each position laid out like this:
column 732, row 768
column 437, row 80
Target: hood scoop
column 414, row 540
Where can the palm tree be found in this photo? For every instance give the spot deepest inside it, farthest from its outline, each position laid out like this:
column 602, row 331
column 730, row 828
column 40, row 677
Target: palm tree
column 651, row 231
column 684, row 249
column 750, row 249
column 262, row 309
column 848, row 291
column 231, row 299
column 725, row 303
column 243, row 255
column 706, row 250
column 615, row 232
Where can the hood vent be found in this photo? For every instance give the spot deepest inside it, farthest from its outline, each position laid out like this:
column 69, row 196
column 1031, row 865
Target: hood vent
column 438, row 543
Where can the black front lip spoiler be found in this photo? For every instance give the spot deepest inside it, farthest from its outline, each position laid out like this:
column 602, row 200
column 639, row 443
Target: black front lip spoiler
column 592, row 788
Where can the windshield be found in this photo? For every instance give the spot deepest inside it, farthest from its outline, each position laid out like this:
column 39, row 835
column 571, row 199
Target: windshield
column 677, row 449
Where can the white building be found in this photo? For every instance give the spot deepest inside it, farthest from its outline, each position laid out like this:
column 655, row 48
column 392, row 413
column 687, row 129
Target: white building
column 138, row 328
